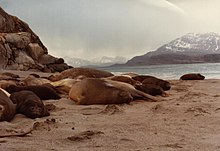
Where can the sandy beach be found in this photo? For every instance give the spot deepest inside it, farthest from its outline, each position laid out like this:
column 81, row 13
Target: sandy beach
column 186, row 119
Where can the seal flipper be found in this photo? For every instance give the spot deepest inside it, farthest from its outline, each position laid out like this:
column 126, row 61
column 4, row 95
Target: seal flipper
column 141, row 95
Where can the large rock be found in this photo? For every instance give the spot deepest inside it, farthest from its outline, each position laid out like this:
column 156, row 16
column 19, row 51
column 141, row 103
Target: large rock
column 21, row 48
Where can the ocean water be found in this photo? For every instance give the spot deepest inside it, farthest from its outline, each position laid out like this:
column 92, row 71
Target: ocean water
column 173, row 71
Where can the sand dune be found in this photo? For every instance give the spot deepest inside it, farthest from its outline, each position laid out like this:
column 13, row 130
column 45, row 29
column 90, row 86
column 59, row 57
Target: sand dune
column 188, row 119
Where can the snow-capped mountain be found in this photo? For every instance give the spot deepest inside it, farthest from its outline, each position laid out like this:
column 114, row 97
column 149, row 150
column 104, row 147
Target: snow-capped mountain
column 207, row 43
column 109, row 60
column 190, row 48
column 102, row 61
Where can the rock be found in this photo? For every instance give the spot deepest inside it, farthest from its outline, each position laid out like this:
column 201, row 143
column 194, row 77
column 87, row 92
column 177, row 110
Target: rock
column 19, row 40
column 35, row 51
column 47, row 59
column 24, row 59
column 3, row 58
column 21, row 48
column 58, row 67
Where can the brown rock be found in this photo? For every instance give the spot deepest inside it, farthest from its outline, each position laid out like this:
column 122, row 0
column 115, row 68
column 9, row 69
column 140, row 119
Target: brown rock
column 47, row 59
column 35, row 51
column 21, row 48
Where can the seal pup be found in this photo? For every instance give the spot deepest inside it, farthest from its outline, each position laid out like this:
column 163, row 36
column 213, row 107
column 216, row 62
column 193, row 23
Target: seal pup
column 192, row 76
column 44, row 92
column 145, row 79
column 97, row 91
column 29, row 104
column 74, row 72
column 8, row 110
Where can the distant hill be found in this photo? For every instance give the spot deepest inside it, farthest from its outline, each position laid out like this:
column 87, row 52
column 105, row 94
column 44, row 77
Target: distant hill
column 102, row 61
column 190, row 48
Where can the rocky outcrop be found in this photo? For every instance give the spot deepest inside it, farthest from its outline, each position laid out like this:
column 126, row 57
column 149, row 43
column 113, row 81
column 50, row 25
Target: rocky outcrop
column 21, row 48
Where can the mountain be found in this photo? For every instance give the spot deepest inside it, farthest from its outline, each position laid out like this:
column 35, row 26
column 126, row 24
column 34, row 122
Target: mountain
column 22, row 49
column 190, row 48
column 102, row 61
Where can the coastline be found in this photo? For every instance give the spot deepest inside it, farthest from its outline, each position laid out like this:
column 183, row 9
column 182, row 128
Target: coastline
column 187, row 119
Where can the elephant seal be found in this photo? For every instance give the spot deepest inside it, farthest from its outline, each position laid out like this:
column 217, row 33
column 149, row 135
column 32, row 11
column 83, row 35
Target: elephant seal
column 136, row 94
column 150, row 89
column 63, row 86
column 8, row 109
column 34, row 79
column 29, row 104
column 44, row 92
column 97, row 91
column 8, row 74
column 124, row 79
column 192, row 76
column 74, row 72
column 144, row 79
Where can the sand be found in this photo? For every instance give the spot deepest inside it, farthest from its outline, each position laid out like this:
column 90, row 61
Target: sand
column 187, row 119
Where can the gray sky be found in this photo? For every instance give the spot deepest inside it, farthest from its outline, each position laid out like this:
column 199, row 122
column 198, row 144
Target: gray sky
column 94, row 28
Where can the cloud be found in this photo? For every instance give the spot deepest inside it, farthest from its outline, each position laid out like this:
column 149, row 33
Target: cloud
column 92, row 28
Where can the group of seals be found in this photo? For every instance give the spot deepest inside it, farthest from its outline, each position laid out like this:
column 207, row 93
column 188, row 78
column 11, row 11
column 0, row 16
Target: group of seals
column 23, row 102
column 101, row 91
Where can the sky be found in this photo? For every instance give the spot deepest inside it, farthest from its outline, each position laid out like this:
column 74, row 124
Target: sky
column 89, row 29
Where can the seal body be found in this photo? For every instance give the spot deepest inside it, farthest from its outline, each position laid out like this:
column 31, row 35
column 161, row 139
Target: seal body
column 63, row 86
column 44, row 92
column 98, row 91
column 144, row 79
column 9, row 109
column 150, row 89
column 29, row 104
column 136, row 94
column 75, row 72
column 34, row 79
column 124, row 79
column 192, row 76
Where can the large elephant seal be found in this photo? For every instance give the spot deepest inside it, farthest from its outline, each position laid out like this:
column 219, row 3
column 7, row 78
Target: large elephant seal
column 192, row 76
column 44, row 92
column 100, row 91
column 8, row 109
column 145, row 79
column 97, row 91
column 75, row 72
column 29, row 104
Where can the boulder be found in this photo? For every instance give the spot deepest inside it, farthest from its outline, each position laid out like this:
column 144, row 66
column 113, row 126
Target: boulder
column 35, row 51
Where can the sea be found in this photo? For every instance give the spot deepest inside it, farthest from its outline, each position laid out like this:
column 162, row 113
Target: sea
column 170, row 71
